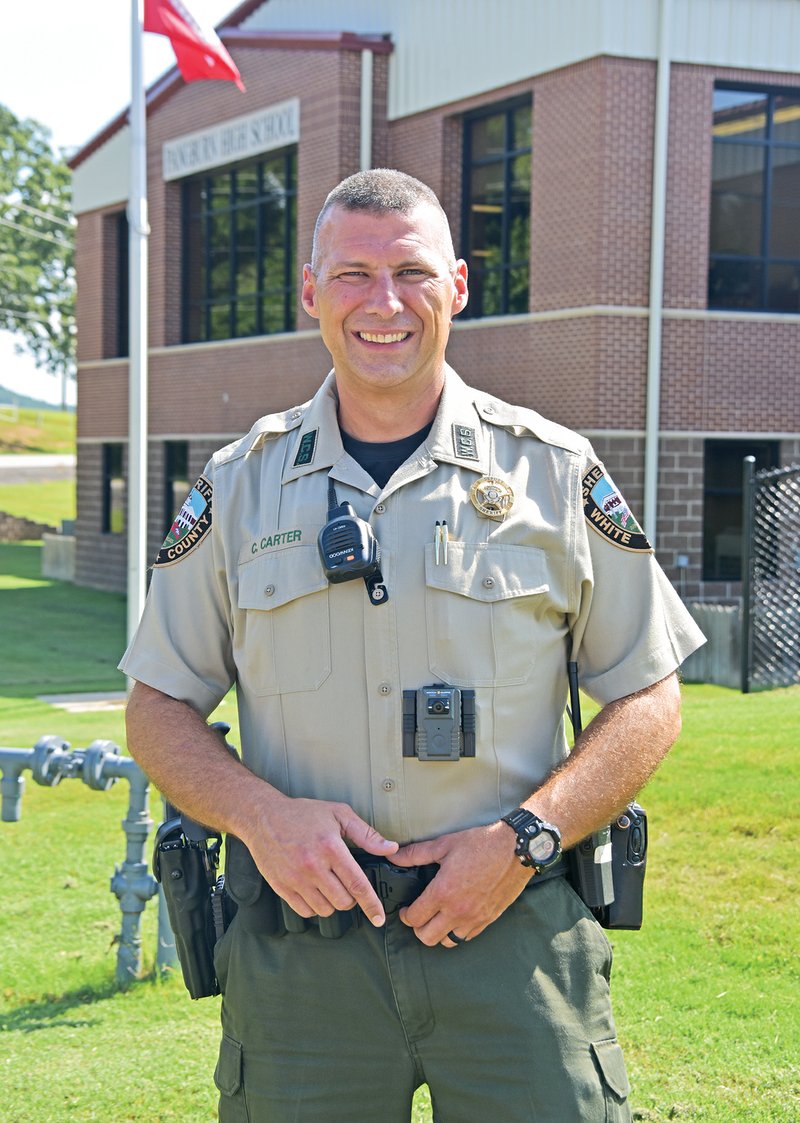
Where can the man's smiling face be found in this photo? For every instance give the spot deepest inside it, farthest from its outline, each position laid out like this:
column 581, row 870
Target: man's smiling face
column 384, row 288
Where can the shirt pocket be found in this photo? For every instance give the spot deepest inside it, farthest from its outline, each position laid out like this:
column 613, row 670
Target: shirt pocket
column 286, row 643
column 482, row 607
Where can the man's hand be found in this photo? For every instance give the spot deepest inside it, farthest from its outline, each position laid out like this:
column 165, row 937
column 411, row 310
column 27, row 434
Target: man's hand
column 299, row 846
column 480, row 876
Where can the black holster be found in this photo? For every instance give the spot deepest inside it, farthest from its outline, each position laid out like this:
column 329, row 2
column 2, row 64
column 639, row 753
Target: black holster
column 197, row 903
column 607, row 870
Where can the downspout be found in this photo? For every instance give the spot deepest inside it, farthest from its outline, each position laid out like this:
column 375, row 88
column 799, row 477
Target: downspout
column 660, row 146
column 365, row 149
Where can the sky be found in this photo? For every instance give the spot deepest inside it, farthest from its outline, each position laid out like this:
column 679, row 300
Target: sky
column 66, row 63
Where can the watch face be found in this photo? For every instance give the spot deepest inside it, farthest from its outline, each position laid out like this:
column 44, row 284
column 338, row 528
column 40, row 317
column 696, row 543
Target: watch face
column 542, row 847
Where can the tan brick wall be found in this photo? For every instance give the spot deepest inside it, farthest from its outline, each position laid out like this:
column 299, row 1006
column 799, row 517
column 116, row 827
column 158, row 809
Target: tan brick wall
column 584, row 372
column 731, row 374
column 90, row 266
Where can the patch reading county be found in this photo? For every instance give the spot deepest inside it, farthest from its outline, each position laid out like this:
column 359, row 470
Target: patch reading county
column 191, row 524
column 609, row 514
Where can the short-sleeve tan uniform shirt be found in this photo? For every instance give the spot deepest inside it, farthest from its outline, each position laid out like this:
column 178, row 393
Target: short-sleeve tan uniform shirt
column 239, row 596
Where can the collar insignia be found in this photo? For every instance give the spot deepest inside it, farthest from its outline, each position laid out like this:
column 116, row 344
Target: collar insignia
column 491, row 497
column 305, row 450
column 465, row 442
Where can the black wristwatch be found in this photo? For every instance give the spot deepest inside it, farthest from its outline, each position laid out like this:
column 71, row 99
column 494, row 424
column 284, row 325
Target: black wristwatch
column 538, row 843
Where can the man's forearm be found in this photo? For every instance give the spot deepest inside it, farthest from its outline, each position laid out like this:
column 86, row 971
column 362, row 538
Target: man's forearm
column 611, row 762
column 188, row 762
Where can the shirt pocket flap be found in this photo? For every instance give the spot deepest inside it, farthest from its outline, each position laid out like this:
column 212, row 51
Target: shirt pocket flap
column 274, row 580
column 608, row 1055
column 487, row 571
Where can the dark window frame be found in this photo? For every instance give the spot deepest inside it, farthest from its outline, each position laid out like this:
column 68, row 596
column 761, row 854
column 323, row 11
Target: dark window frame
column 113, row 468
column 474, row 308
column 764, row 260
column 209, row 299
column 122, row 326
column 176, row 470
column 726, row 500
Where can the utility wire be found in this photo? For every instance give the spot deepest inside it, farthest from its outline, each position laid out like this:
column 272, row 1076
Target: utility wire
column 40, row 214
column 51, row 201
column 26, row 316
column 35, row 234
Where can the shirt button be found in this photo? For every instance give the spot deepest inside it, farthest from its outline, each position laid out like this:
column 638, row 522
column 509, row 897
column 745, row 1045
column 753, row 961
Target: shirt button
column 385, row 688
column 488, row 409
column 380, row 508
column 388, row 785
column 269, row 591
column 297, row 413
column 488, row 582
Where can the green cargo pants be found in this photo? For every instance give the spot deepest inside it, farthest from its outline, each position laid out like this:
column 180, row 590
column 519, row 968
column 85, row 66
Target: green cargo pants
column 514, row 1025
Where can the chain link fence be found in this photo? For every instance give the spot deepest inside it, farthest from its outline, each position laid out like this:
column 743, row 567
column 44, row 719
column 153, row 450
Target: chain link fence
column 771, row 577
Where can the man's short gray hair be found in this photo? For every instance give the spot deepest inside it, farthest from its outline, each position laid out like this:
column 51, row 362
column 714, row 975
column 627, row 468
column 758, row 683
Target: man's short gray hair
column 381, row 191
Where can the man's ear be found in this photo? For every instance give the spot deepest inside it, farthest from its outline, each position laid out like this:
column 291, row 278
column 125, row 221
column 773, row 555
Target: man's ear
column 308, row 296
column 461, row 295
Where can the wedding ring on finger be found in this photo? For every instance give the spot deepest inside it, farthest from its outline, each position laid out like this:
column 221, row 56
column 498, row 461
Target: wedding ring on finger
column 456, row 939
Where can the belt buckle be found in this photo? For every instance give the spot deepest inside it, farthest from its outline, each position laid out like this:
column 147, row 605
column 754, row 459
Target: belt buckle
column 395, row 885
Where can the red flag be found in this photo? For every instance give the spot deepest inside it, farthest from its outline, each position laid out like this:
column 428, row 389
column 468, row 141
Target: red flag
column 198, row 50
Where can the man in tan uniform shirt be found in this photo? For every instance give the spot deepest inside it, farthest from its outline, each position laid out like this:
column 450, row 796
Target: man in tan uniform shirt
column 503, row 541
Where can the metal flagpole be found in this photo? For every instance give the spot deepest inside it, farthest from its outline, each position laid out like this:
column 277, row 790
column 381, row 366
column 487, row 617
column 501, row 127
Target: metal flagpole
column 138, row 233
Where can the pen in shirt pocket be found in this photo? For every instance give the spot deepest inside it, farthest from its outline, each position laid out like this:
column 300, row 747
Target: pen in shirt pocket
column 440, row 541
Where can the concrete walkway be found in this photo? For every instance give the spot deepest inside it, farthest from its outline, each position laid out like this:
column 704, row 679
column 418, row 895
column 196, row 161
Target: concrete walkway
column 30, row 467
column 86, row 703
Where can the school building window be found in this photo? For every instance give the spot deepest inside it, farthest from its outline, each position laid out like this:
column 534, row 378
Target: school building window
column 497, row 208
column 114, row 491
column 121, row 328
column 722, row 503
column 755, row 200
column 239, row 250
column 176, row 479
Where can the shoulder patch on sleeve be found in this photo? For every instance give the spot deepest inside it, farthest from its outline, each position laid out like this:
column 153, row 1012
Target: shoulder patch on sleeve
column 607, row 512
column 191, row 524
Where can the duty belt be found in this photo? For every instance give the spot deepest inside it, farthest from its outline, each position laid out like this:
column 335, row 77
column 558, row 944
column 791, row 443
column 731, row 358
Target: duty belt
column 396, row 886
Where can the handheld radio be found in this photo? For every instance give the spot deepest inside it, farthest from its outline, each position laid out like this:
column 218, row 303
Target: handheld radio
column 349, row 549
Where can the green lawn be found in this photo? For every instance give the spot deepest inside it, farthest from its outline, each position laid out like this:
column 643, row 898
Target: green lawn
column 56, row 638
column 47, row 502
column 37, row 431
column 707, row 995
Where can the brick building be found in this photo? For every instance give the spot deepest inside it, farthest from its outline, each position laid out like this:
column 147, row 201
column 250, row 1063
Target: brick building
column 622, row 176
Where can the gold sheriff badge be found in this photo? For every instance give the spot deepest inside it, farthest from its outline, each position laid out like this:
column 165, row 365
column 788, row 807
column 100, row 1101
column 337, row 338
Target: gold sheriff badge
column 491, row 497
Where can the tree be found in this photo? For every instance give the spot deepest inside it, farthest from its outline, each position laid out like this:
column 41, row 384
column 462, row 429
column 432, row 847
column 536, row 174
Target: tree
column 37, row 244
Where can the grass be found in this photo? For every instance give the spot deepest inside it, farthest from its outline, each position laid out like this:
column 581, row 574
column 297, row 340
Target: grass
column 37, row 431
column 56, row 637
column 47, row 502
column 706, row 995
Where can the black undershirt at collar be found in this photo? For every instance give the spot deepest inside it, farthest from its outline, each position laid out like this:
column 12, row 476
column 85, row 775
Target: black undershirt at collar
column 381, row 459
